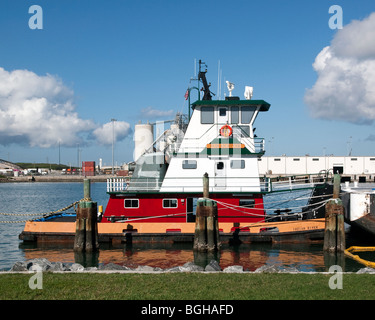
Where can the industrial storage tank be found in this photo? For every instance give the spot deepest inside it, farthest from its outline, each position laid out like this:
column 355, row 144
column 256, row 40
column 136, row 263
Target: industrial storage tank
column 143, row 139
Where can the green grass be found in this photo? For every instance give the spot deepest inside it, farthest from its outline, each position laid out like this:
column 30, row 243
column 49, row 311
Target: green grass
column 186, row 286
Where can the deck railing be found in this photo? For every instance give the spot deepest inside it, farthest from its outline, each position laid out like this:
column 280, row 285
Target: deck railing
column 116, row 184
column 217, row 184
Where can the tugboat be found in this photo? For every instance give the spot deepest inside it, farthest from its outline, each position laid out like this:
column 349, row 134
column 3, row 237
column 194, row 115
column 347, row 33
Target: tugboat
column 218, row 140
column 158, row 202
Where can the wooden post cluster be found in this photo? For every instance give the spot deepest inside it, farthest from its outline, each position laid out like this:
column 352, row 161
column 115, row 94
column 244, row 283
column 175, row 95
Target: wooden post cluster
column 86, row 236
column 206, row 236
column 334, row 233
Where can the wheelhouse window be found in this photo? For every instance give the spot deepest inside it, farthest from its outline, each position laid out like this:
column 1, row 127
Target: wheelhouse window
column 207, row 115
column 170, row 203
column 189, row 164
column 131, row 203
column 235, row 115
column 246, row 114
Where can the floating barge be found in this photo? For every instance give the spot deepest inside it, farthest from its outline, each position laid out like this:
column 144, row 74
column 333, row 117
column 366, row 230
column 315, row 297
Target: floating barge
column 64, row 231
column 158, row 203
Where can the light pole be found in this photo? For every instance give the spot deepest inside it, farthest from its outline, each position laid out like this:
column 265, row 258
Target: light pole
column 113, row 145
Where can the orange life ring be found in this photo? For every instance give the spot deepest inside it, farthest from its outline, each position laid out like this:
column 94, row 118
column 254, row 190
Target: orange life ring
column 226, row 131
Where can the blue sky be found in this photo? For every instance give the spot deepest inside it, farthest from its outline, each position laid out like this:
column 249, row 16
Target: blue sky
column 132, row 60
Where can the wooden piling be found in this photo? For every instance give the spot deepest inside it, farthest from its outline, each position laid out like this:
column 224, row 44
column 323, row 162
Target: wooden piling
column 206, row 237
column 87, row 189
column 86, row 236
column 334, row 233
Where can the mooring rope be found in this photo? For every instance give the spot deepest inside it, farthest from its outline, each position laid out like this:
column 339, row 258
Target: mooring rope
column 40, row 215
column 225, row 205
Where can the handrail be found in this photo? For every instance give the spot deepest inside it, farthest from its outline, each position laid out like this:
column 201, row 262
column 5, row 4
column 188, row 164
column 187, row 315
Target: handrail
column 235, row 184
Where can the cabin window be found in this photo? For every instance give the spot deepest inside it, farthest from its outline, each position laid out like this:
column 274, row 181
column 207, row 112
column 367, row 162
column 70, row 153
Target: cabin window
column 222, row 112
column 246, row 114
column 248, row 203
column 131, row 203
column 189, row 164
column 220, row 165
column 296, row 159
column 237, row 164
column 315, row 159
column 353, row 159
column 235, row 115
column 170, row 203
column 277, row 159
column 207, row 115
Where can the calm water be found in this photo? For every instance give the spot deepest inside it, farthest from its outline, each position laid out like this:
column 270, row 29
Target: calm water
column 45, row 197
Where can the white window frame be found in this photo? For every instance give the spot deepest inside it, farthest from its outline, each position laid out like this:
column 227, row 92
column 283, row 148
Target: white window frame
column 170, row 199
column 132, row 201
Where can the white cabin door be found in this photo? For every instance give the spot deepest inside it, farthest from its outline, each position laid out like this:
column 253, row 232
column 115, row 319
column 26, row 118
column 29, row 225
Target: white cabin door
column 220, row 175
column 223, row 115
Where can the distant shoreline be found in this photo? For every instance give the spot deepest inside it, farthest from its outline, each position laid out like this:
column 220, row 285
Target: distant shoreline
column 57, row 178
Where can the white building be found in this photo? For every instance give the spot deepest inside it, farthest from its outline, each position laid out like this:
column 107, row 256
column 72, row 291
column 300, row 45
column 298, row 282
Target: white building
column 287, row 165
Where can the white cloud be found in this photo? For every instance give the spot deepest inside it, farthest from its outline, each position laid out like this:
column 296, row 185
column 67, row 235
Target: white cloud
column 150, row 113
column 104, row 134
column 345, row 88
column 38, row 110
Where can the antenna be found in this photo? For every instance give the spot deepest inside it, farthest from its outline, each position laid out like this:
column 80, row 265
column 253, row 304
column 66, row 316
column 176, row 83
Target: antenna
column 218, row 80
column 230, row 86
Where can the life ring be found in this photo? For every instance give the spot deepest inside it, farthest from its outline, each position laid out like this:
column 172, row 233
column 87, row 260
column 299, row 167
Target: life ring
column 226, row 131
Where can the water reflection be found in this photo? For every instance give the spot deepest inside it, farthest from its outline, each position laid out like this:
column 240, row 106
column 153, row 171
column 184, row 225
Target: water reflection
column 304, row 257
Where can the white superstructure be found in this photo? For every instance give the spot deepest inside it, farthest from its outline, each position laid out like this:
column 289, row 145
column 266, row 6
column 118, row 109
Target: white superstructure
column 220, row 141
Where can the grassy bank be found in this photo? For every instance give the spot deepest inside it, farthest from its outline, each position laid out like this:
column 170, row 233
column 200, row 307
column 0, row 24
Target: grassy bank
column 186, row 286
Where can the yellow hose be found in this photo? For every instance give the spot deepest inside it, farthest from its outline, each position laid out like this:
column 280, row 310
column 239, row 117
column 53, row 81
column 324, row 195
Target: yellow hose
column 367, row 263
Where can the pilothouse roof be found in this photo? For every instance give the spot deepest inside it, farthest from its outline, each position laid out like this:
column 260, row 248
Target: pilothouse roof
column 264, row 106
